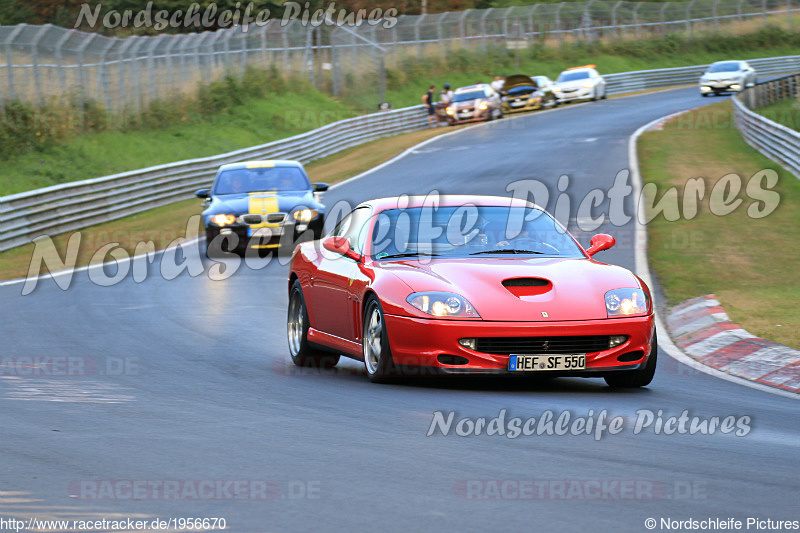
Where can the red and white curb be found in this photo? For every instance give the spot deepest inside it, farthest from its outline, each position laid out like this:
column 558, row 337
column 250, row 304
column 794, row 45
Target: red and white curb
column 702, row 329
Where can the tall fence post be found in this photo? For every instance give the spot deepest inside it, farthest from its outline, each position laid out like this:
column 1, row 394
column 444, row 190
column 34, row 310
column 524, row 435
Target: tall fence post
column 614, row 21
column 636, row 19
column 558, row 22
column 714, row 14
column 82, row 75
column 102, row 80
column 122, row 58
column 662, row 16
column 59, row 47
column 37, row 77
column 689, row 17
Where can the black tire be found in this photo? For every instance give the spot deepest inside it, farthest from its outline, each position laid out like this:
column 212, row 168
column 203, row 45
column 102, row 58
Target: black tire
column 375, row 344
column 703, row 94
column 303, row 354
column 636, row 378
column 604, row 94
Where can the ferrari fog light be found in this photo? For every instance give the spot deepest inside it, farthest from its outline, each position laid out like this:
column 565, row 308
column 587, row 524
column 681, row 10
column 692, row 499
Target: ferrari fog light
column 626, row 302
column 470, row 344
column 305, row 215
column 616, row 340
column 443, row 304
column 224, row 220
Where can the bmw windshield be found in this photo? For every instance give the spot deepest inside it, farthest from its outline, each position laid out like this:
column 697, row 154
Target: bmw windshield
column 245, row 180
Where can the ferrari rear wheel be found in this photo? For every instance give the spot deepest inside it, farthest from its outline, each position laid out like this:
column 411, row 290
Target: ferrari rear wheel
column 637, row 378
column 375, row 342
column 297, row 332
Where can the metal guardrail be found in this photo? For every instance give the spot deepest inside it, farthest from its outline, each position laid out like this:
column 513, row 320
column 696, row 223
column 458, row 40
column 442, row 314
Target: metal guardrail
column 76, row 205
column 774, row 140
column 641, row 80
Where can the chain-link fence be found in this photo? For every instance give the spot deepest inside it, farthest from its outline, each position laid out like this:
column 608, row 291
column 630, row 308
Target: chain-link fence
column 42, row 63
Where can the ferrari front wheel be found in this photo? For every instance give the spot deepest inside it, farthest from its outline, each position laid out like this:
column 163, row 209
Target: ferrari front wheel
column 375, row 342
column 636, row 378
column 297, row 332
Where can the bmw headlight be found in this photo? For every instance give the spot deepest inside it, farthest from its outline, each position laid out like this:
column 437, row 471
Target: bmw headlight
column 223, row 220
column 305, row 215
column 626, row 302
column 443, row 304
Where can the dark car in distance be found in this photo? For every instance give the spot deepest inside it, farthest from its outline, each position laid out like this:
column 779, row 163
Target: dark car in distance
column 262, row 205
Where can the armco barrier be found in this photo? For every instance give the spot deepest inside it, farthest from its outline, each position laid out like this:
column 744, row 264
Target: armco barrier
column 75, row 205
column 774, row 140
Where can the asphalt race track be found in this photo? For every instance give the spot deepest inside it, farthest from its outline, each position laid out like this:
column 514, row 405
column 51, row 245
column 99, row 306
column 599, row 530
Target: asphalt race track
column 190, row 380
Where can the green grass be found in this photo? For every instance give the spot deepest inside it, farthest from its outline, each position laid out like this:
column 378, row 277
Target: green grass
column 749, row 264
column 253, row 122
column 786, row 112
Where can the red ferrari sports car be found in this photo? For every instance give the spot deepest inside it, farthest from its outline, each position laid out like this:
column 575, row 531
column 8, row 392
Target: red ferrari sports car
column 463, row 285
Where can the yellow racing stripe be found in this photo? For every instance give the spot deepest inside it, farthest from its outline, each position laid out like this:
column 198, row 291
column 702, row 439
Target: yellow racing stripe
column 263, row 203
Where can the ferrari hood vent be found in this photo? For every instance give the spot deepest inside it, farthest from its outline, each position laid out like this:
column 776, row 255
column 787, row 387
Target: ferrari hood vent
column 527, row 286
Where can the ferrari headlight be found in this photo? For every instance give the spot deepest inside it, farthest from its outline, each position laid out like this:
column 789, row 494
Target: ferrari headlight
column 224, row 220
column 588, row 85
column 443, row 304
column 305, row 215
column 483, row 105
column 626, row 302
column 450, row 110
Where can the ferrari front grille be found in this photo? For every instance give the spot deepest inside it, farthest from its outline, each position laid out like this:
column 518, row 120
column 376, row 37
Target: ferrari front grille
column 542, row 345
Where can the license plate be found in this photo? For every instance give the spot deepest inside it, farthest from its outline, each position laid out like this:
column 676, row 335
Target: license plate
column 538, row 363
column 517, row 103
column 465, row 114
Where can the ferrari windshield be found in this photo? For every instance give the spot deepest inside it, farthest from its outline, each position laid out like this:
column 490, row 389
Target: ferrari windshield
column 244, row 180
column 730, row 66
column 463, row 231
column 472, row 95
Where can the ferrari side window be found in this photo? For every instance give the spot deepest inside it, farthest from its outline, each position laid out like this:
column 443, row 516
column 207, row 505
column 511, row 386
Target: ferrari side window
column 356, row 230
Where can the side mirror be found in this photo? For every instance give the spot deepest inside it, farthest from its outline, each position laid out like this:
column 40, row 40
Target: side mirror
column 320, row 187
column 600, row 242
column 341, row 246
column 203, row 193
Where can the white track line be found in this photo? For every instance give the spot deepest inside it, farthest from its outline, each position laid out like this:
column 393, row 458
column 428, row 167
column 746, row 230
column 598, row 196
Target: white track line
column 643, row 271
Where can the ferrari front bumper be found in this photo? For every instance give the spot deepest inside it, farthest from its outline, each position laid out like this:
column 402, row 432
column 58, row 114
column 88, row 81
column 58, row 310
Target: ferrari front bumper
column 418, row 342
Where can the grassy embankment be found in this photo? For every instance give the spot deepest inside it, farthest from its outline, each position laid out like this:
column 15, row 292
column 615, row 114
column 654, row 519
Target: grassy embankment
column 749, row 263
